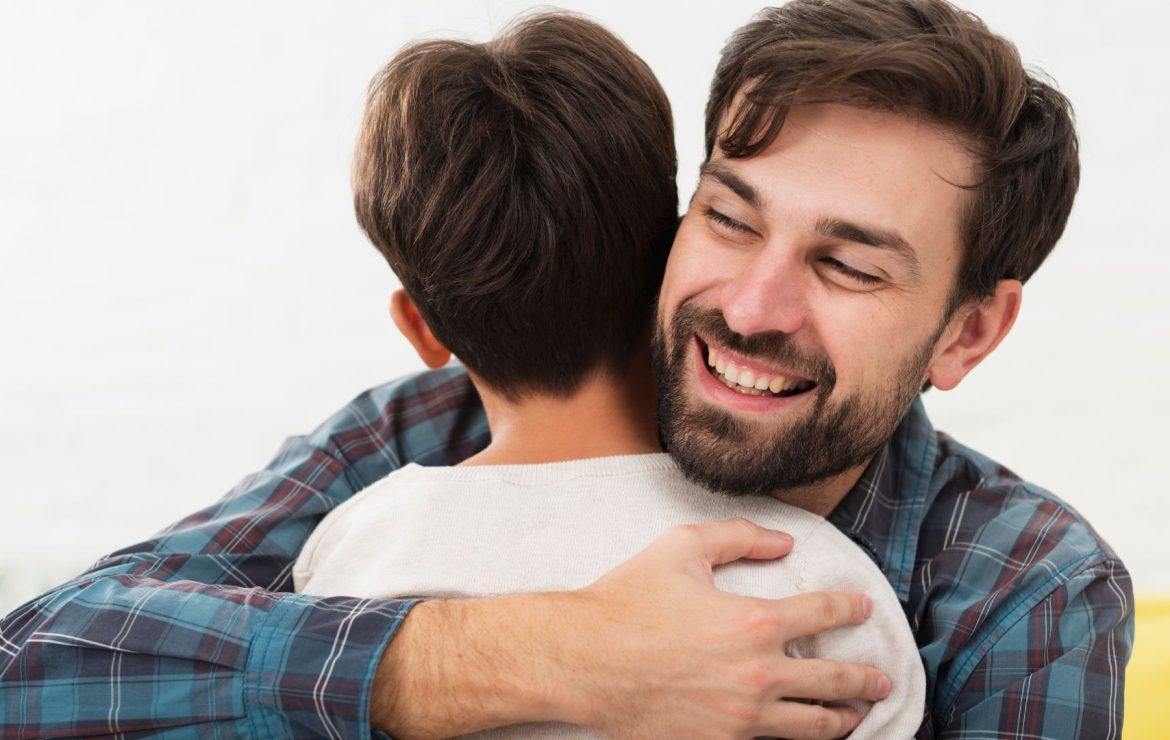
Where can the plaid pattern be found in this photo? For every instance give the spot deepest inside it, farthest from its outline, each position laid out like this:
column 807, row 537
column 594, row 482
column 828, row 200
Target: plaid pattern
column 1024, row 617
column 1022, row 613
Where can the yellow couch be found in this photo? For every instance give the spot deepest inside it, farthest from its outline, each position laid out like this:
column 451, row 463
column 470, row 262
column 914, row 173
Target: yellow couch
column 1147, row 682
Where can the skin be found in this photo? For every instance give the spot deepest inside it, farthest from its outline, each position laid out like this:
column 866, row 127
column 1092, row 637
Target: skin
column 764, row 258
column 607, row 415
column 653, row 649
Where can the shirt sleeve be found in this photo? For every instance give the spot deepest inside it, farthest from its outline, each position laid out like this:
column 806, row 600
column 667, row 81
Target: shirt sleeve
column 1058, row 671
column 195, row 632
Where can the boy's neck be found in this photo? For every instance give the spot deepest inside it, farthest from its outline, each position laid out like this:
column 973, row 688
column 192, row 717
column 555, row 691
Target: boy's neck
column 608, row 415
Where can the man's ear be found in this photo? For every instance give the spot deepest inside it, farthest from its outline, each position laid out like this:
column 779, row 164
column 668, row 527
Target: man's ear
column 410, row 322
column 973, row 333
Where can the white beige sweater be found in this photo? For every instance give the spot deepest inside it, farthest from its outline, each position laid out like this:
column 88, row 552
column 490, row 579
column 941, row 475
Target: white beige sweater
column 488, row 530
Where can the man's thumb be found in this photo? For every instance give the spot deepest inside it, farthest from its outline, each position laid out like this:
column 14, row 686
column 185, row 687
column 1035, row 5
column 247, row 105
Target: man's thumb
column 732, row 539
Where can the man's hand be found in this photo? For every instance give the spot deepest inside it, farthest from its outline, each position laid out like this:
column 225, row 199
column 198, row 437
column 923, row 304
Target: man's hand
column 651, row 649
column 679, row 658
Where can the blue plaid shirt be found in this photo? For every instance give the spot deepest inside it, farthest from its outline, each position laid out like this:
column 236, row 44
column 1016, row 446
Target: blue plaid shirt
column 1023, row 615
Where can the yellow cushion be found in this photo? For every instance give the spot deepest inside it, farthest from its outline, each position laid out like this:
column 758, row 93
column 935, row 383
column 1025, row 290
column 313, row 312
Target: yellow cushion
column 1147, row 682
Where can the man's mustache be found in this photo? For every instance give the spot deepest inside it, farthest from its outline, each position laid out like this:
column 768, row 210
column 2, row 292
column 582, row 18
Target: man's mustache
column 773, row 348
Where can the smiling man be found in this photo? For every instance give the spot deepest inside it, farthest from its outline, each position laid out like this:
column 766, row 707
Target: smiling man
column 808, row 298
column 882, row 177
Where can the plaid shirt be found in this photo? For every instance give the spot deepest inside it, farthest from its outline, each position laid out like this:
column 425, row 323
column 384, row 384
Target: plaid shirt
column 1023, row 615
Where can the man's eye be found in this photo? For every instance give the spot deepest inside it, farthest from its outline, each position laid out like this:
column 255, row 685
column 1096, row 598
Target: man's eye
column 725, row 221
column 851, row 273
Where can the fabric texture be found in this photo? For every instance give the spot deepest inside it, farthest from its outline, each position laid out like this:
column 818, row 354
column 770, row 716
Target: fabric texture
column 452, row 532
column 1023, row 615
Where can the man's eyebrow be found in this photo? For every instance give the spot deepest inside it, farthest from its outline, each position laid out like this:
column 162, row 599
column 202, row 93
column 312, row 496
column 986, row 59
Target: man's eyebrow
column 732, row 182
column 870, row 237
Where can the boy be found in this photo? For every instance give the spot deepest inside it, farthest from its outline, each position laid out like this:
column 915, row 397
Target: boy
column 523, row 191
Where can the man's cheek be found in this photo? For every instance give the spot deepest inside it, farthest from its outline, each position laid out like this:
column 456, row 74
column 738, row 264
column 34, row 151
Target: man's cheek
column 701, row 281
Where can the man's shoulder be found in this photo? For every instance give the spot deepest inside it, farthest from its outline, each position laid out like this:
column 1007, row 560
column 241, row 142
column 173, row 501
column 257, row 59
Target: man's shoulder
column 1007, row 578
column 976, row 502
column 950, row 524
column 994, row 550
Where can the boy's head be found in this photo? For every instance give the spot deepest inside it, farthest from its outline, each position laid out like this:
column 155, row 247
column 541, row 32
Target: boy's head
column 523, row 191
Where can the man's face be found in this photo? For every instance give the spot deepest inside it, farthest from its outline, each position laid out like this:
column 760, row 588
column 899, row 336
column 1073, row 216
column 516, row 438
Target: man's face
column 818, row 273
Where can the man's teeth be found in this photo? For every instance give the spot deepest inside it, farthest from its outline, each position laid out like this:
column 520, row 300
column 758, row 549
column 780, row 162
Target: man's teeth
column 746, row 381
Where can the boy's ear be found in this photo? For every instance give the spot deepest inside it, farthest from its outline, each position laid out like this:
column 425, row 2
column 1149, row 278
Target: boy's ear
column 974, row 333
column 410, row 322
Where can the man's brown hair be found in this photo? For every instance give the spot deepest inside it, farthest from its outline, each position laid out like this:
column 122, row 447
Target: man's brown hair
column 523, row 190
column 923, row 58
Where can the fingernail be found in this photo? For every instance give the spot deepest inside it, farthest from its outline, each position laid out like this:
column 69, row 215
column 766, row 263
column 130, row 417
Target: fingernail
column 784, row 536
column 883, row 687
column 856, row 720
column 866, row 607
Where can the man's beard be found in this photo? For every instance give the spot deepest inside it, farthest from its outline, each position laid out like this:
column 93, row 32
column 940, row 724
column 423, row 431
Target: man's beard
column 733, row 455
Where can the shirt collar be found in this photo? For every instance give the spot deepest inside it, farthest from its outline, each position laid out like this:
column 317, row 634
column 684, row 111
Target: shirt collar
column 883, row 512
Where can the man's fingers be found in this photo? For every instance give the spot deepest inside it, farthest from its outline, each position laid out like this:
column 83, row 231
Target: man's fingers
column 813, row 613
column 829, row 680
column 807, row 721
column 729, row 540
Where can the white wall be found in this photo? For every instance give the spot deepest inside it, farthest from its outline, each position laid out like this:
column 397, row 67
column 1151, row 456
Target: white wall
column 182, row 283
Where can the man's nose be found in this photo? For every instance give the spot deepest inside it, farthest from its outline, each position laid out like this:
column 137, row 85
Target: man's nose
column 769, row 294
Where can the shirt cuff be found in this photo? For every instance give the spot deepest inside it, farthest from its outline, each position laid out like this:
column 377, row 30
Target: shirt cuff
column 311, row 666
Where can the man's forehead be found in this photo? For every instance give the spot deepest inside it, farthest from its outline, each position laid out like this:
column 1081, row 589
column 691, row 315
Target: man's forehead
column 866, row 133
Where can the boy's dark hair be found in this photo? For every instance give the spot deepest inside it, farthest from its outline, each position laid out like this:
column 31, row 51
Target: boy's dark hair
column 523, row 190
column 924, row 58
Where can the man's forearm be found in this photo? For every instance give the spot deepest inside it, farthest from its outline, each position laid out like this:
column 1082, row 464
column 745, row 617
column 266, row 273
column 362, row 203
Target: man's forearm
column 463, row 666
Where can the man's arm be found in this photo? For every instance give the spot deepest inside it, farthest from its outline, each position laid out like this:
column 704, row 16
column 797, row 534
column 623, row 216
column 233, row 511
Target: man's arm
column 196, row 628
column 651, row 649
column 1056, row 670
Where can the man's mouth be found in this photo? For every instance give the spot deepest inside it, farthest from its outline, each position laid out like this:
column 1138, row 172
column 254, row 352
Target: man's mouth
column 754, row 380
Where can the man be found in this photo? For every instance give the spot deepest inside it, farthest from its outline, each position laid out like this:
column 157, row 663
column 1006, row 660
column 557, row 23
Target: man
column 881, row 178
